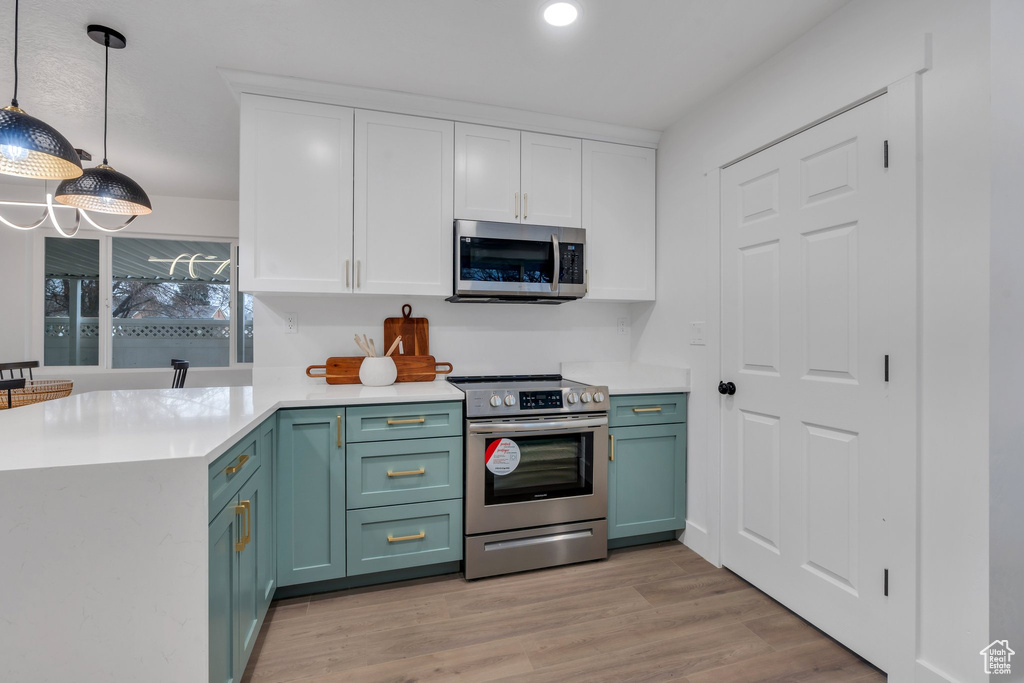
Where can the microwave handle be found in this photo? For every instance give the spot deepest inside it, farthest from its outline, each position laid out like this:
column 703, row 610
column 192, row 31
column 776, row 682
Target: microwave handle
column 552, row 426
column 558, row 262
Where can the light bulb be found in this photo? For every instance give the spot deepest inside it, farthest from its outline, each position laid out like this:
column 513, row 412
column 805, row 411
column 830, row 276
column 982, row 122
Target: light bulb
column 560, row 13
column 13, row 152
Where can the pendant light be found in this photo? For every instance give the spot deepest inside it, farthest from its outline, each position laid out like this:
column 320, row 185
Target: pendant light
column 103, row 189
column 30, row 148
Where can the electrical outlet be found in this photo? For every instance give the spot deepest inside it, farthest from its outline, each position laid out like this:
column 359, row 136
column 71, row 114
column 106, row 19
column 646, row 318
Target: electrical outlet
column 622, row 324
column 697, row 333
column 291, row 323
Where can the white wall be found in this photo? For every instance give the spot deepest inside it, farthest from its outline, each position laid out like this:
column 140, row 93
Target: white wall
column 174, row 216
column 865, row 46
column 475, row 338
column 1006, row 474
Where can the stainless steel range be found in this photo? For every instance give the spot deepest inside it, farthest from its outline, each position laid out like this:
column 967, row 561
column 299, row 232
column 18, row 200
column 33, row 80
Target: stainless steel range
column 536, row 472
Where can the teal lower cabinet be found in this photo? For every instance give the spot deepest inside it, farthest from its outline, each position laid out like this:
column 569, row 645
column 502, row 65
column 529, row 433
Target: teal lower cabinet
column 408, row 471
column 241, row 537
column 647, row 468
column 402, row 536
column 224, row 656
column 310, row 495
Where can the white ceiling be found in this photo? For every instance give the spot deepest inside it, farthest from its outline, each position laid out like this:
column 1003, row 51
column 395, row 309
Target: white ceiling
column 174, row 124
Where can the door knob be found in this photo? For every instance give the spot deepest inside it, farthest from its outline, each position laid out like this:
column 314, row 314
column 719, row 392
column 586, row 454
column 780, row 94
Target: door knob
column 726, row 388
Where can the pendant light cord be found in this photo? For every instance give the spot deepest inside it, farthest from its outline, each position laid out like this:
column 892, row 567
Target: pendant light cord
column 106, row 88
column 14, row 100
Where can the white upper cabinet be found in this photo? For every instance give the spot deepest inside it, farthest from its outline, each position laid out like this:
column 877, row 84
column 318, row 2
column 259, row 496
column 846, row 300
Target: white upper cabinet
column 511, row 177
column 403, row 204
column 295, row 196
column 619, row 217
column 550, row 180
column 486, row 173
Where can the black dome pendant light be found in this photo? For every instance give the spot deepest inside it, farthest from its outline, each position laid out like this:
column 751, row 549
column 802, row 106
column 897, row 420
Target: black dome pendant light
column 30, row 148
column 103, row 189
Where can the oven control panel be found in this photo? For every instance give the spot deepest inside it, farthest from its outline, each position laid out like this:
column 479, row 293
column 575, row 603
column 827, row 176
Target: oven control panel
column 540, row 400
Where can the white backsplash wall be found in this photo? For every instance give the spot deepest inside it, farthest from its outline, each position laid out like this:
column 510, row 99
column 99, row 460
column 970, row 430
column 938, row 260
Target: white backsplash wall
column 475, row 338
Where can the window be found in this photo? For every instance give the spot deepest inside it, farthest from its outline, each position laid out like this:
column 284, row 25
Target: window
column 71, row 302
column 164, row 299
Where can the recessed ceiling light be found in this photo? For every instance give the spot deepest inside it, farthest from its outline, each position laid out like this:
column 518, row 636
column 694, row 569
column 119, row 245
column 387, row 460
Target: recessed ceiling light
column 561, row 13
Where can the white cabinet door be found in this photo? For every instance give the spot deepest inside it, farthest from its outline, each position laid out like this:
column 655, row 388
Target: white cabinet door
column 551, row 180
column 486, row 173
column 403, row 204
column 619, row 217
column 295, row 196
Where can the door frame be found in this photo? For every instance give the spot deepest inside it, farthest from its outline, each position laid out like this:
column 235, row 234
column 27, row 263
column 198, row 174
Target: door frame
column 903, row 206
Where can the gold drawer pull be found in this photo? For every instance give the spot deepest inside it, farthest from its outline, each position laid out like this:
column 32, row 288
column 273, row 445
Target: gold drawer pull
column 414, row 421
column 415, row 537
column 647, row 410
column 242, row 459
column 611, row 448
column 339, row 432
column 407, row 473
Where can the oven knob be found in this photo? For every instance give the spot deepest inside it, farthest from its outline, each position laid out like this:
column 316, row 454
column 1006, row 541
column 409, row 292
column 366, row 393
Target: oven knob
column 495, row 401
column 599, row 397
column 572, row 398
column 510, row 400
column 585, row 397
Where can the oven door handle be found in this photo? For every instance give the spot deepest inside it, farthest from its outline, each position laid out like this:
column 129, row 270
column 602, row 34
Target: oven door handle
column 541, row 427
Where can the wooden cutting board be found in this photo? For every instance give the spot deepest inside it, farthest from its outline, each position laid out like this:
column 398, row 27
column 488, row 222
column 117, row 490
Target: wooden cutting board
column 345, row 369
column 415, row 334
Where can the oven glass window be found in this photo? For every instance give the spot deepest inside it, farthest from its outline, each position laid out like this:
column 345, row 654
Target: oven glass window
column 549, row 467
column 484, row 259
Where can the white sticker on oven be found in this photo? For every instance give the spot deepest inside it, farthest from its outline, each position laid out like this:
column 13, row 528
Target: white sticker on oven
column 502, row 456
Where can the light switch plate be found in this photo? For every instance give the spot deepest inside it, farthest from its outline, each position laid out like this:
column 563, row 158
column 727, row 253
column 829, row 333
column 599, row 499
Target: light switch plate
column 622, row 325
column 697, row 333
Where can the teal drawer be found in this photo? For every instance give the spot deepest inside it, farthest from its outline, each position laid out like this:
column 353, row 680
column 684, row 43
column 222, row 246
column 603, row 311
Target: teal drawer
column 402, row 421
column 647, row 409
column 404, row 471
column 231, row 470
column 402, row 536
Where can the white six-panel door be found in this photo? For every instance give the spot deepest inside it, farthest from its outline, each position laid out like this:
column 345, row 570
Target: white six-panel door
column 486, row 173
column 403, row 204
column 805, row 494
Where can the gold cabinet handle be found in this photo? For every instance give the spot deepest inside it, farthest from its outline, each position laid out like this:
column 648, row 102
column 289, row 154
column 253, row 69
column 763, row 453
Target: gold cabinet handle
column 414, row 421
column 242, row 459
column 244, row 507
column 611, row 447
column 347, row 279
column 339, row 432
column 407, row 473
column 516, row 202
column 415, row 537
column 647, row 410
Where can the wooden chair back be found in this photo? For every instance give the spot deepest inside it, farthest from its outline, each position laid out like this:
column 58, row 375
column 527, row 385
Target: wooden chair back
column 180, row 370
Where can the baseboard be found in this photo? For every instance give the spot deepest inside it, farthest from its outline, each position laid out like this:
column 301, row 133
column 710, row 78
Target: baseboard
column 366, row 580
column 699, row 541
column 614, row 543
column 926, row 673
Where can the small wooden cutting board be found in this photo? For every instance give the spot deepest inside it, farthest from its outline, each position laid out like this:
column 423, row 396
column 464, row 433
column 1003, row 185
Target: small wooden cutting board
column 415, row 334
column 345, row 369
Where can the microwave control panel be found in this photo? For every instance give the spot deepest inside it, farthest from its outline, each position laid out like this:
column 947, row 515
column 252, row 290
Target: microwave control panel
column 571, row 261
column 540, row 400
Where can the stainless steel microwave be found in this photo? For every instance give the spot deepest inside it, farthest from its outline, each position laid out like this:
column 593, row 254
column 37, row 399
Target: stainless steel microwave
column 513, row 263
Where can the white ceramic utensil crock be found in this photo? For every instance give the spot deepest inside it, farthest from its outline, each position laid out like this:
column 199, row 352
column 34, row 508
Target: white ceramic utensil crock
column 378, row 372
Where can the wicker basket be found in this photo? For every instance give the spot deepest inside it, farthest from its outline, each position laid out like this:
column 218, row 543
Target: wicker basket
column 37, row 390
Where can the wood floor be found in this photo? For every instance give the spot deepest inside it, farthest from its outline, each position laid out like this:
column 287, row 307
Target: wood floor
column 654, row 613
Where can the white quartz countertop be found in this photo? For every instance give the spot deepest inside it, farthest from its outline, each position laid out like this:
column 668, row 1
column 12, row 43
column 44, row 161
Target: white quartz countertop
column 106, row 427
column 630, row 378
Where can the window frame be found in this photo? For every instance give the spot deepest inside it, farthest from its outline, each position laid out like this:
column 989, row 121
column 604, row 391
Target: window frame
column 106, row 347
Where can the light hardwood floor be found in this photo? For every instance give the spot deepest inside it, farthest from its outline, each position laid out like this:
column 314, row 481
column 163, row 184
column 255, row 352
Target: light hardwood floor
column 653, row 613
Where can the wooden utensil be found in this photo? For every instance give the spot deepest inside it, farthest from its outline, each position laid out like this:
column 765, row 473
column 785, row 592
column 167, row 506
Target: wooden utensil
column 415, row 333
column 345, row 370
column 394, row 344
